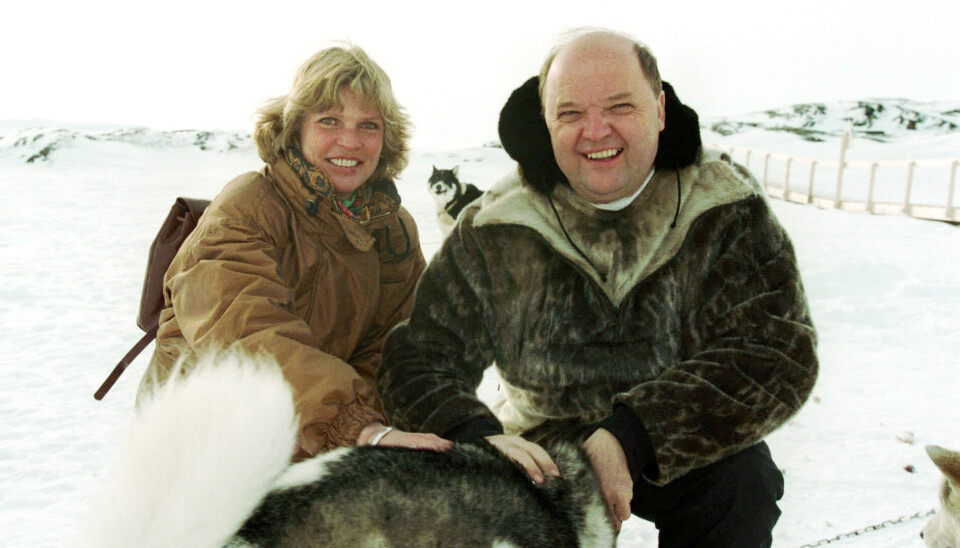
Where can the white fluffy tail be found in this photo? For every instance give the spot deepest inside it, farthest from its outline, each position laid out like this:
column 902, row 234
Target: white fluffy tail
column 199, row 457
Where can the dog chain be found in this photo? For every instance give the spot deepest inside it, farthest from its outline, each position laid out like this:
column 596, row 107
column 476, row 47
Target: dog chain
column 872, row 528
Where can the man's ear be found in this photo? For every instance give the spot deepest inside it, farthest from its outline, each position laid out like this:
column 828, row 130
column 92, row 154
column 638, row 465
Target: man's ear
column 662, row 109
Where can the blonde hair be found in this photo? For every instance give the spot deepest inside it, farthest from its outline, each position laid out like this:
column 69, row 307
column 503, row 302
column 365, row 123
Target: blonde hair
column 317, row 86
column 648, row 62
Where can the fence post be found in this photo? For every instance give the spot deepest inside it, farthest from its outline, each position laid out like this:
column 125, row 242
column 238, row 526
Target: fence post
column 873, row 177
column 786, row 181
column 906, row 194
column 844, row 145
column 953, row 182
column 813, row 168
column 766, row 168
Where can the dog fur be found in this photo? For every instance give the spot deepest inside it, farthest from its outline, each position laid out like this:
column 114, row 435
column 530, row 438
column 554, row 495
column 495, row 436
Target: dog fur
column 450, row 196
column 206, row 465
column 943, row 530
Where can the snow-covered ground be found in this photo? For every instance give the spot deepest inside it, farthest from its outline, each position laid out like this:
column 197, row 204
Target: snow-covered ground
column 75, row 229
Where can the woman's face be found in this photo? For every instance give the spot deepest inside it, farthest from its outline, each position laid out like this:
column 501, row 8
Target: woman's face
column 345, row 144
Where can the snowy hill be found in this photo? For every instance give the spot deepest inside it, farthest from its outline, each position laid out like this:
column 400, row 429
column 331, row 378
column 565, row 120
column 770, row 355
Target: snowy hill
column 878, row 119
column 37, row 142
column 884, row 294
column 882, row 120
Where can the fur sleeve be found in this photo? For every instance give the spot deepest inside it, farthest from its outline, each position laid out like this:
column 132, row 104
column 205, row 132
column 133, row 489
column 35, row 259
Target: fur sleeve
column 433, row 364
column 748, row 351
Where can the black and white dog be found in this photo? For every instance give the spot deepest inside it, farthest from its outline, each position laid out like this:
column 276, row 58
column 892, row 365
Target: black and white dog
column 206, row 465
column 450, row 196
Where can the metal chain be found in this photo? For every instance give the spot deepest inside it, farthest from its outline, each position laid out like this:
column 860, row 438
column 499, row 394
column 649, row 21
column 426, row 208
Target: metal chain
column 872, row 528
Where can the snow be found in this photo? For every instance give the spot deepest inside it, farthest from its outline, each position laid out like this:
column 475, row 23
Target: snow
column 74, row 233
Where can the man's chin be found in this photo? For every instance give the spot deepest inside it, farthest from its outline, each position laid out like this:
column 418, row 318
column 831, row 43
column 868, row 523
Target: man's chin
column 604, row 191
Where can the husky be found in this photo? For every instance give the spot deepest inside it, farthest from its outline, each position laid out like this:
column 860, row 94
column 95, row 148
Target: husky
column 450, row 196
column 943, row 529
column 205, row 464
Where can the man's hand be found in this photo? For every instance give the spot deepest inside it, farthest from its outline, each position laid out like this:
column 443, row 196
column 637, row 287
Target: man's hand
column 610, row 464
column 399, row 438
column 529, row 455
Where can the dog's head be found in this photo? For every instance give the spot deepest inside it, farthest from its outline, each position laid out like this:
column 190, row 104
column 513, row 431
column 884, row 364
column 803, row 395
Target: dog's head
column 444, row 185
column 943, row 530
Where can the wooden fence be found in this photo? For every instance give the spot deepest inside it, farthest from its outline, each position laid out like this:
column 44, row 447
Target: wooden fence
column 925, row 189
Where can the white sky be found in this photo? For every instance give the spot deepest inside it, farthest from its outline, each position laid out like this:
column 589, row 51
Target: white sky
column 210, row 65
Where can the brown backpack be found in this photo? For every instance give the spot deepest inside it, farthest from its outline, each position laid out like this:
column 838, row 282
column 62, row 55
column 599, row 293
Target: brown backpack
column 180, row 222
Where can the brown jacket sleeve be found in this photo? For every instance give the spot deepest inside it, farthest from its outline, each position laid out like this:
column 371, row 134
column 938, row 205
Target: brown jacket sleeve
column 227, row 288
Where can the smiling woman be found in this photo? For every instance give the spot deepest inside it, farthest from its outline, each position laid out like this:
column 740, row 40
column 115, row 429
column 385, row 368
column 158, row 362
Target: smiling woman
column 311, row 260
column 345, row 141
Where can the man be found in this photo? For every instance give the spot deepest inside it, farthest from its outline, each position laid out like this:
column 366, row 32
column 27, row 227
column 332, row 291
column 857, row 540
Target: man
column 636, row 293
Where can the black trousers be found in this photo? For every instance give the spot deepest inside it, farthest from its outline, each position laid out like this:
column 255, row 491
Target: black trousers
column 731, row 503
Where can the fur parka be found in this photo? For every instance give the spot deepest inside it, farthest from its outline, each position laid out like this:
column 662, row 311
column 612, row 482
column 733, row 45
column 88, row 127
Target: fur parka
column 681, row 327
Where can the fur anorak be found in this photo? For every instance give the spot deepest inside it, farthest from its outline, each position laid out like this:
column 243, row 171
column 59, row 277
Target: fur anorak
column 318, row 293
column 688, row 342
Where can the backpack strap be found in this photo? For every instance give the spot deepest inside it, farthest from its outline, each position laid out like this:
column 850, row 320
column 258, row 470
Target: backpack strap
column 180, row 222
column 122, row 366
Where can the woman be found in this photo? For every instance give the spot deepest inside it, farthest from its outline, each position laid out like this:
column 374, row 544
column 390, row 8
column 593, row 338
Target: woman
column 310, row 260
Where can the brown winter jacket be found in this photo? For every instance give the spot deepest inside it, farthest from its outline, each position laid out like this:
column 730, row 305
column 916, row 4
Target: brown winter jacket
column 317, row 293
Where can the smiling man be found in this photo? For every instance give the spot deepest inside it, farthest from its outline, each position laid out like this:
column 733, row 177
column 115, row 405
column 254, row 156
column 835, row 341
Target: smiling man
column 604, row 117
column 636, row 294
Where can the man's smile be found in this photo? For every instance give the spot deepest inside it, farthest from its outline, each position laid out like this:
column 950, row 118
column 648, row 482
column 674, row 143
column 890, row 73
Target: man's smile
column 604, row 154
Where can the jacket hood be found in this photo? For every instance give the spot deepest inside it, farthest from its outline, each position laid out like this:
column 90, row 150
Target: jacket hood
column 524, row 136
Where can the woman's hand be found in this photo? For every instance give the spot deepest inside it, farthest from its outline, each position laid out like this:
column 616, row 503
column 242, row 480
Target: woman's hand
column 399, row 438
column 609, row 462
column 529, row 455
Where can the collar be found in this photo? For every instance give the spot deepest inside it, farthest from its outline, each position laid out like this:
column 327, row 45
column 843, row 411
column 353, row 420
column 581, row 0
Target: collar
column 622, row 203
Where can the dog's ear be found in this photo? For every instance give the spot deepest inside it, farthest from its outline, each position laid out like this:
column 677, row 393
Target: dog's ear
column 947, row 461
column 456, row 170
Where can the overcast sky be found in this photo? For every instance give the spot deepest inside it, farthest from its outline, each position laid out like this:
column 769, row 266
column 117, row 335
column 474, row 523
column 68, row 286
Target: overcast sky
column 210, row 65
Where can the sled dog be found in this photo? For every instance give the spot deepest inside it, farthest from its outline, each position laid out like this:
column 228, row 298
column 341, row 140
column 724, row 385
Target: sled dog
column 450, row 196
column 206, row 465
column 943, row 529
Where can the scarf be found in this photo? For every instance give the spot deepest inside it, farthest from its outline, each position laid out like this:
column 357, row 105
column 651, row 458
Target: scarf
column 356, row 207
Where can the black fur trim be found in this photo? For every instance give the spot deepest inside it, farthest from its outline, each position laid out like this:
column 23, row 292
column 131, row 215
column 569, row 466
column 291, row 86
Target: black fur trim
column 524, row 135
column 680, row 139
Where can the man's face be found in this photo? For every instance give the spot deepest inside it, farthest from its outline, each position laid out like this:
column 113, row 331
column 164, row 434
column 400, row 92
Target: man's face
column 604, row 119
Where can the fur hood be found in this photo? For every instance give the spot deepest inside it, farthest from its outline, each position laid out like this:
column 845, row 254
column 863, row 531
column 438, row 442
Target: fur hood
column 524, row 135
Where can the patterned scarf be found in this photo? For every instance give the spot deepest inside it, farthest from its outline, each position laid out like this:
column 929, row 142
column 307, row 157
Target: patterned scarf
column 356, row 207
